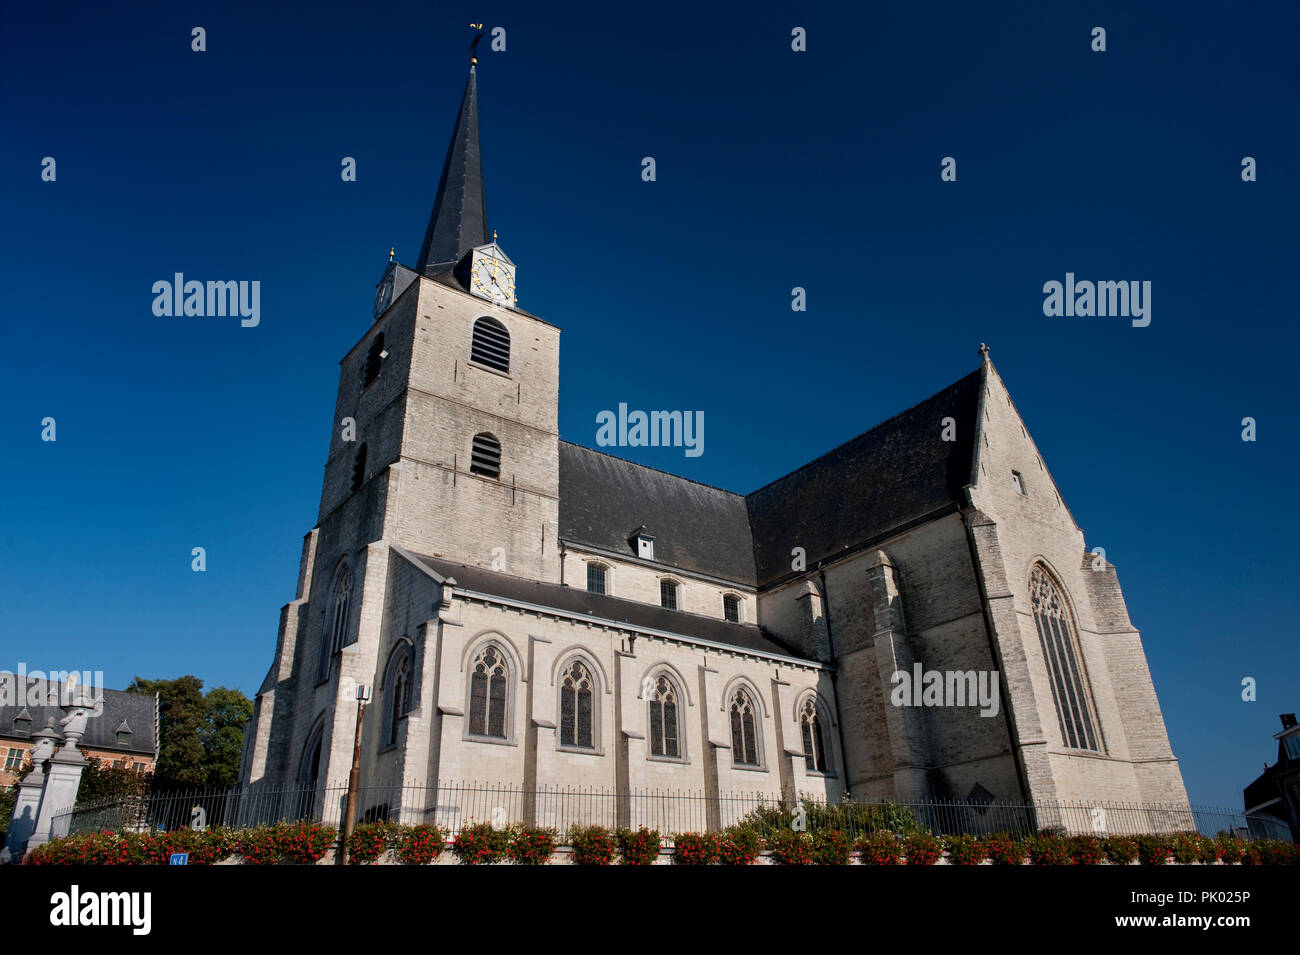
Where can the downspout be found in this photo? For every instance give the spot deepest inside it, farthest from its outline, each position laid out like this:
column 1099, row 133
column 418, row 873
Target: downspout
column 835, row 674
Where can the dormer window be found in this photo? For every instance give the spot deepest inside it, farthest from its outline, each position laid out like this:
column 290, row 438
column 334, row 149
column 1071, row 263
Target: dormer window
column 123, row 734
column 22, row 722
column 643, row 543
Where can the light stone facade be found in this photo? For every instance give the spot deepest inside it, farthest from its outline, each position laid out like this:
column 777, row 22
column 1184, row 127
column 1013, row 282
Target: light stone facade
column 943, row 582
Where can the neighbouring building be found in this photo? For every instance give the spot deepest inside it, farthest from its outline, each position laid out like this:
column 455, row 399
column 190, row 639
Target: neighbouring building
column 1275, row 793
column 530, row 612
column 123, row 732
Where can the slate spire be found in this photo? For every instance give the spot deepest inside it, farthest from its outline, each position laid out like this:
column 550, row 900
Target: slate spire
column 458, row 222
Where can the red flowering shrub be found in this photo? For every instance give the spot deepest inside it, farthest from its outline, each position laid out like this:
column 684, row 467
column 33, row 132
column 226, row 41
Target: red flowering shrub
column 790, row 848
column 738, row 845
column 304, row 844
column 258, row 847
column 420, row 845
column 921, row 848
column 1250, row 854
column 1229, row 848
column 1087, row 850
column 592, row 845
column 1004, row 850
column 1050, row 850
column 1121, row 850
column 1277, row 852
column 637, row 846
column 480, row 844
column 965, row 850
column 831, row 847
column 369, row 841
column 1185, row 848
column 695, row 848
column 879, row 848
column 529, row 846
column 1153, row 850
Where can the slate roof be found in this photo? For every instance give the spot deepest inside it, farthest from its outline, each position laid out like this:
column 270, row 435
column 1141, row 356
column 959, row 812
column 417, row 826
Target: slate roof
column 603, row 499
column 574, row 600
column 459, row 219
column 137, row 710
column 897, row 472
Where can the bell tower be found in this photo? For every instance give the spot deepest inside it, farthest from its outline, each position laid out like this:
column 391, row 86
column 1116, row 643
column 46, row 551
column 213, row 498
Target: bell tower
column 453, row 393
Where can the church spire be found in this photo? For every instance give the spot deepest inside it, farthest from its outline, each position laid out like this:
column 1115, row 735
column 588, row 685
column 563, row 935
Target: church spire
column 459, row 219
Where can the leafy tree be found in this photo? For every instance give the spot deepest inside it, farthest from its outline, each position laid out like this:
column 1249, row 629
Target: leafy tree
column 200, row 738
column 222, row 734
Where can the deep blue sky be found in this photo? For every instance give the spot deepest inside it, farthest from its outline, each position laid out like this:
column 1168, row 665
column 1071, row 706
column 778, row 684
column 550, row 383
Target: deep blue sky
column 775, row 169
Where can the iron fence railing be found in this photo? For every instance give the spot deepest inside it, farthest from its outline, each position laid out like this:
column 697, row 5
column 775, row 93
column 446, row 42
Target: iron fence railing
column 453, row 805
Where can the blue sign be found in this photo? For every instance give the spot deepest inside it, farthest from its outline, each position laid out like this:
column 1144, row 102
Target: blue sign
column 179, row 858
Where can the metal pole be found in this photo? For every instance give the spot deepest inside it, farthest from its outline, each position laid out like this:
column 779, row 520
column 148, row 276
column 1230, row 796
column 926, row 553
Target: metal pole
column 354, row 781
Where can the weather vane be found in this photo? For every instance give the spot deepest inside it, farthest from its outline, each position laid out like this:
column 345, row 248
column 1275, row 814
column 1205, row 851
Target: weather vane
column 473, row 47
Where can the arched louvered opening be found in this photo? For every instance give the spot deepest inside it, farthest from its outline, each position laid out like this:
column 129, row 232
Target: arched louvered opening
column 485, row 456
column 491, row 345
column 359, row 469
column 374, row 360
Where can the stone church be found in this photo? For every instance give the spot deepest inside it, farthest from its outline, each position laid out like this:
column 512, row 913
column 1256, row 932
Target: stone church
column 531, row 613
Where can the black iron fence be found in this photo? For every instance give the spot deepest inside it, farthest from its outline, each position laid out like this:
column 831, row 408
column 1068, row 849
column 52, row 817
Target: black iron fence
column 455, row 805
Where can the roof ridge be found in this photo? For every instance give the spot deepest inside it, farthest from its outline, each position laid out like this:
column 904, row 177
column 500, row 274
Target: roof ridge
column 635, row 464
column 871, row 430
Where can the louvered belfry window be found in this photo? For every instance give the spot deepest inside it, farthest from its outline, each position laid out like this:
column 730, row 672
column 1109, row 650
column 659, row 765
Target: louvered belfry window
column 1064, row 663
column 485, row 456
column 491, row 345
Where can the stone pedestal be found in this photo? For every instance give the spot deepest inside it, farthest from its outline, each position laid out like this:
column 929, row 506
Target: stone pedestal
column 26, row 811
column 62, row 779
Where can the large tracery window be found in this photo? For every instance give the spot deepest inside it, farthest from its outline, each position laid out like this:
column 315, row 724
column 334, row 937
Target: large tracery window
column 664, row 739
column 488, row 685
column 336, row 623
column 814, row 737
column 399, row 693
column 744, row 730
column 1064, row 662
column 576, row 707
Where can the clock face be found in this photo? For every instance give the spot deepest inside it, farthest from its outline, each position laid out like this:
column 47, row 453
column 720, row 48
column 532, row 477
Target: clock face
column 493, row 278
column 384, row 297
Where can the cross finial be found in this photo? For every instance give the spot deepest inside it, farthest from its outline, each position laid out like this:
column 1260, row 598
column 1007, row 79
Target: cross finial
column 984, row 351
column 473, row 47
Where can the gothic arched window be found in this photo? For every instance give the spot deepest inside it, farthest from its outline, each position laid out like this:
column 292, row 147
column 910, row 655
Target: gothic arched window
column 490, row 345
column 577, row 707
column 1064, row 661
column 485, row 456
column 489, row 683
column 336, row 617
column 664, row 738
column 374, row 361
column 744, row 730
column 814, row 737
column 398, row 686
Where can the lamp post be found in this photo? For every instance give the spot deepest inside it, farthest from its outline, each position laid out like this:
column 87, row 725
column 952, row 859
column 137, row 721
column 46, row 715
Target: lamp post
column 354, row 777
